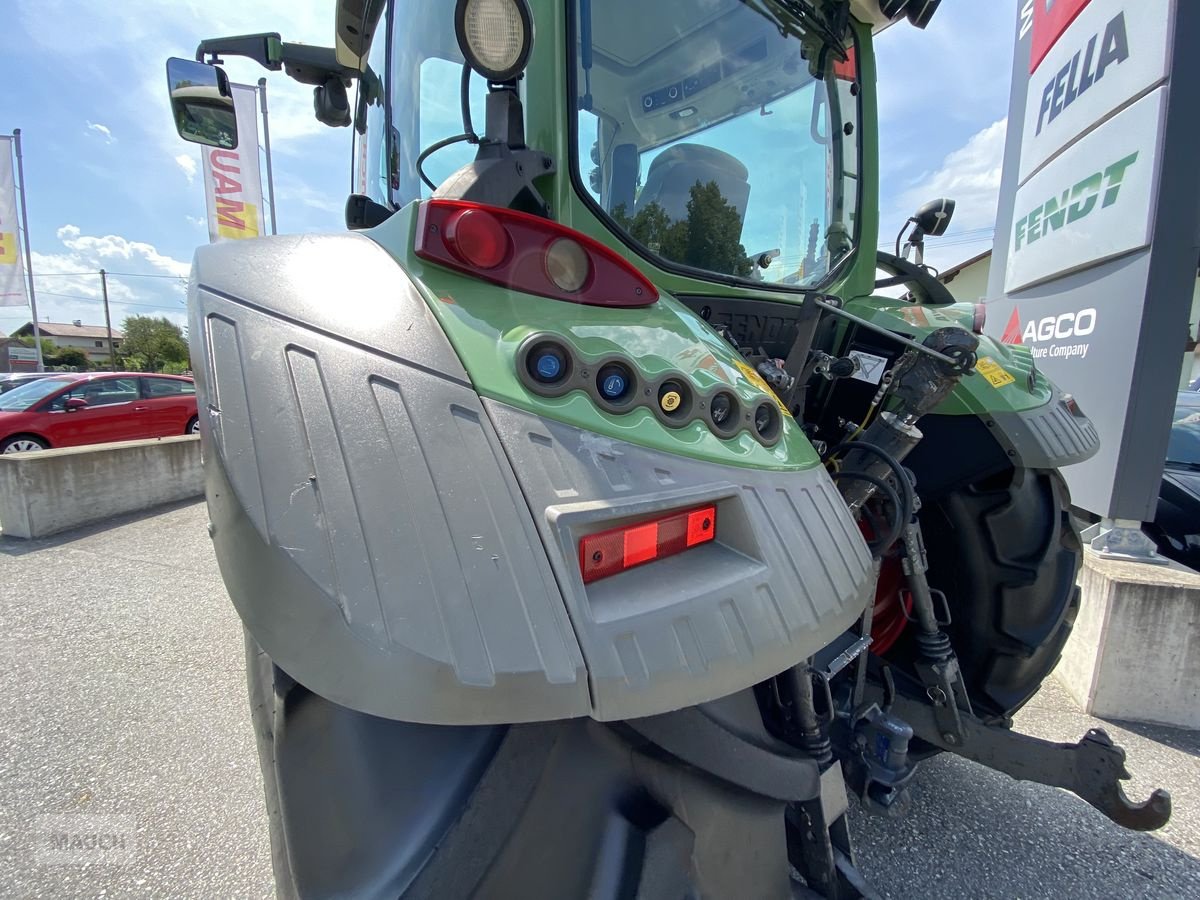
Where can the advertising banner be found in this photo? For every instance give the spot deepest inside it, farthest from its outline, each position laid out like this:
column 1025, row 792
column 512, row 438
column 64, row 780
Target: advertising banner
column 12, row 272
column 1098, row 225
column 232, row 184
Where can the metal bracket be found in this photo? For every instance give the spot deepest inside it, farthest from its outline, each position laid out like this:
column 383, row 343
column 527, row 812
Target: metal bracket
column 1122, row 539
column 1092, row 768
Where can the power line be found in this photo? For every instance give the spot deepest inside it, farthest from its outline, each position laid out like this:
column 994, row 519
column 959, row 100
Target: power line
column 114, row 302
column 97, row 272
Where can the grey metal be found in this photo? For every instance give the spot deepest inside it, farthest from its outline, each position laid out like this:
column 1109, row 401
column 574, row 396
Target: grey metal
column 373, row 517
column 1091, row 768
column 1122, row 539
column 262, row 94
column 1047, row 437
column 369, row 531
column 37, row 334
column 788, row 573
column 112, row 356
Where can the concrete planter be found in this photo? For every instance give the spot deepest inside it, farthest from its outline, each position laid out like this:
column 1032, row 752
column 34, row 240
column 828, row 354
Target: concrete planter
column 50, row 491
column 1135, row 650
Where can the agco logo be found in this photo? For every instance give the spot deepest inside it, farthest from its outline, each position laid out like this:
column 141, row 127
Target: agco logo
column 1063, row 327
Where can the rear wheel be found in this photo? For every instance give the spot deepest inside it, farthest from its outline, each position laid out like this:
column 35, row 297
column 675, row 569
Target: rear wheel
column 1006, row 554
column 193, row 426
column 22, row 443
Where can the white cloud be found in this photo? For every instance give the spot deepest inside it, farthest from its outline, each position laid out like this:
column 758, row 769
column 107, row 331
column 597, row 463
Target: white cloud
column 970, row 176
column 103, row 130
column 188, row 164
column 68, row 281
column 197, row 221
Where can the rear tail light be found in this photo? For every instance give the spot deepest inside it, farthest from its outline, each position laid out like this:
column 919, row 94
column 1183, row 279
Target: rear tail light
column 611, row 552
column 527, row 254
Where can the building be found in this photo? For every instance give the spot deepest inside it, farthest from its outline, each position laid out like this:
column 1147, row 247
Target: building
column 968, row 283
column 91, row 339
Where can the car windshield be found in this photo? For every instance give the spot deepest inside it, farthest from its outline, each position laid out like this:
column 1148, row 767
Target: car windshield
column 31, row 394
column 1184, row 446
column 718, row 137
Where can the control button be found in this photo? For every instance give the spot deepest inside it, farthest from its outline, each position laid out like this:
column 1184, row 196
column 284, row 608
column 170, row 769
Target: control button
column 670, row 401
column 613, row 387
column 721, row 408
column 548, row 366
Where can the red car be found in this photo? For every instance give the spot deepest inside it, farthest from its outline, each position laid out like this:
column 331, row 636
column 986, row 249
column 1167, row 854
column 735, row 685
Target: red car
column 73, row 409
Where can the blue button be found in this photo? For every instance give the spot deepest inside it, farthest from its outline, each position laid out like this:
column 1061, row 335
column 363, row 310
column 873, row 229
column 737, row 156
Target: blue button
column 549, row 366
column 614, row 386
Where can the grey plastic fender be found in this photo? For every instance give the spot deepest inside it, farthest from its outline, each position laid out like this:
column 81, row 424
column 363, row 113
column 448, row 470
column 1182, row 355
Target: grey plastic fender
column 405, row 550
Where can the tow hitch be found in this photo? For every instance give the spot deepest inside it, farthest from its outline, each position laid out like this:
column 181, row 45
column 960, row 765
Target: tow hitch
column 1092, row 769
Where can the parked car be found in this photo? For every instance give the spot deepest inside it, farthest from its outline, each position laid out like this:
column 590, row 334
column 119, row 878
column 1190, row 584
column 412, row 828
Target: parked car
column 73, row 409
column 1195, row 385
column 10, row 381
column 1176, row 526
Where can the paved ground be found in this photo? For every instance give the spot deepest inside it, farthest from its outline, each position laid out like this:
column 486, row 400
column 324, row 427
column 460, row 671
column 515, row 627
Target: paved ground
column 124, row 736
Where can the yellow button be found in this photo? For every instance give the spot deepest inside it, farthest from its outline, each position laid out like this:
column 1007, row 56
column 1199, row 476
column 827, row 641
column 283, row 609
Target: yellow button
column 670, row 401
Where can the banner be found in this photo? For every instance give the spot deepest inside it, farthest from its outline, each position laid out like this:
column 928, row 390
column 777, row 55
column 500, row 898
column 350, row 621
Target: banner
column 232, row 185
column 12, row 274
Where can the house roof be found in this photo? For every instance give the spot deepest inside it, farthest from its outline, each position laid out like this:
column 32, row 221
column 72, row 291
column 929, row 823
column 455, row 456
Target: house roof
column 68, row 330
column 948, row 275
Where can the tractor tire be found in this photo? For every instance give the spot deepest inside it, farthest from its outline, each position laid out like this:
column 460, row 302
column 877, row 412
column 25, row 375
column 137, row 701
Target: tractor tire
column 1006, row 553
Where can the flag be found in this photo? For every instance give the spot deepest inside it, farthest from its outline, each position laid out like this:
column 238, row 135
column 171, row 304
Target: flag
column 12, row 274
column 232, row 185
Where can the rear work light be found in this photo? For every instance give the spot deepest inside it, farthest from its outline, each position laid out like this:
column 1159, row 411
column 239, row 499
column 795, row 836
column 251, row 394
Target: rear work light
column 528, row 254
column 611, row 552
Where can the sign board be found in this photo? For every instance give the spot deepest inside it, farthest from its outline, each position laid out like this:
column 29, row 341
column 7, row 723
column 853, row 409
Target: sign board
column 1107, row 58
column 232, row 183
column 1098, row 224
column 22, row 354
column 1090, row 203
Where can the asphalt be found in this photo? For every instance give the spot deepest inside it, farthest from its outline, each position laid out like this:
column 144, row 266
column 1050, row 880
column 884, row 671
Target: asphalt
column 128, row 768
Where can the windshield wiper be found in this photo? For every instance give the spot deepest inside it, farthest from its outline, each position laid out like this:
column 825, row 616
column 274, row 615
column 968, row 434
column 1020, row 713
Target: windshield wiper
column 788, row 14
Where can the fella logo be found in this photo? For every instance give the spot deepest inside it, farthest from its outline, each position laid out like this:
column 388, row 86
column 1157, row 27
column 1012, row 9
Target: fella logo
column 1084, row 69
column 1050, row 19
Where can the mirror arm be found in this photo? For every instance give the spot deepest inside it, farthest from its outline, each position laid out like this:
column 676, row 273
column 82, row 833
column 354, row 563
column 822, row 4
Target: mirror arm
column 266, row 49
column 304, row 63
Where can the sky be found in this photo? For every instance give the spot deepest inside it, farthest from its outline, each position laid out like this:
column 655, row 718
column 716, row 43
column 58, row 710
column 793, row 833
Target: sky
column 110, row 185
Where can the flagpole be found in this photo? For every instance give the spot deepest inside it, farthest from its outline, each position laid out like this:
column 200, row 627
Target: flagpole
column 37, row 334
column 262, row 88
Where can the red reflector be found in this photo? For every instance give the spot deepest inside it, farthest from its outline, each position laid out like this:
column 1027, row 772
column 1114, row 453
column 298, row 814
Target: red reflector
column 476, row 238
column 610, row 552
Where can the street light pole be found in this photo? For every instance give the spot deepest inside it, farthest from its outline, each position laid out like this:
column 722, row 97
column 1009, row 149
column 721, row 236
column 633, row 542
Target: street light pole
column 262, row 96
column 112, row 355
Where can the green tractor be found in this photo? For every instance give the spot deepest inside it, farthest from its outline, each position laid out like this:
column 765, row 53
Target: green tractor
column 597, row 529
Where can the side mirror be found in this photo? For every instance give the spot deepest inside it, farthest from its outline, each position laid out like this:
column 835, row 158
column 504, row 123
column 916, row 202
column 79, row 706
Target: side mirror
column 74, row 404
column 934, row 217
column 202, row 103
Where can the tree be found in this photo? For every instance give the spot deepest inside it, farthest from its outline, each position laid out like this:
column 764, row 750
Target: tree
column 69, row 356
column 151, row 342
column 707, row 239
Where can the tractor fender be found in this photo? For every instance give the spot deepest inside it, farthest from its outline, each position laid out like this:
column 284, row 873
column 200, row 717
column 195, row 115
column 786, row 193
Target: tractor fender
column 406, row 549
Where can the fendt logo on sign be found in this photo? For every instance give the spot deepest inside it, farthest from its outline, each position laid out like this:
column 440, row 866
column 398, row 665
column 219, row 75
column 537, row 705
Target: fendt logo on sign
column 1073, row 204
column 1064, row 327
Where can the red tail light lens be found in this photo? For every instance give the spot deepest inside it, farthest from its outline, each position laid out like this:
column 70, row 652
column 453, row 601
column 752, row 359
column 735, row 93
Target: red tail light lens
column 527, row 254
column 610, row 552
column 477, row 238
